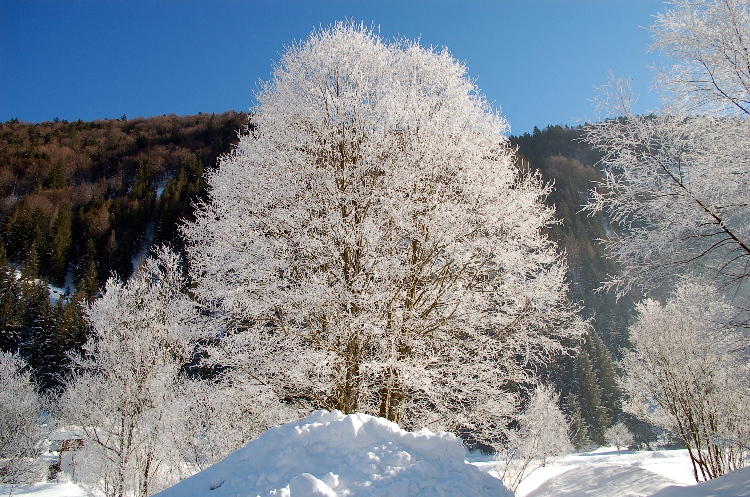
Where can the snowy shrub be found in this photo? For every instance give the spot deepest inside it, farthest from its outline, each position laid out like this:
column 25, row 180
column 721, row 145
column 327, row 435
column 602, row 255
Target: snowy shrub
column 217, row 417
column 146, row 424
column 20, row 430
column 688, row 373
column 618, row 435
column 541, row 436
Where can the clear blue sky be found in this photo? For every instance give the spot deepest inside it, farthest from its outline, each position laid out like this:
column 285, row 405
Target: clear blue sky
column 537, row 60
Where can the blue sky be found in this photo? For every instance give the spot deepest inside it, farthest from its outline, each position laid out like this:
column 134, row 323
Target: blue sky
column 538, row 60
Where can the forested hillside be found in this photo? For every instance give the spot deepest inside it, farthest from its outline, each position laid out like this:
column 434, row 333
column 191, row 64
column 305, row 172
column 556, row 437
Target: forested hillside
column 587, row 382
column 81, row 201
column 569, row 164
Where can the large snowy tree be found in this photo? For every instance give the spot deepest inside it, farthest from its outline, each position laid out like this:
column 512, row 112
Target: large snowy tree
column 677, row 182
column 371, row 244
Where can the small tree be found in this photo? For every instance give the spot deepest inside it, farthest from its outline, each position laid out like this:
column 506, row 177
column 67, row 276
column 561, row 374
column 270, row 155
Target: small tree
column 20, row 430
column 541, row 436
column 688, row 373
column 619, row 435
column 126, row 392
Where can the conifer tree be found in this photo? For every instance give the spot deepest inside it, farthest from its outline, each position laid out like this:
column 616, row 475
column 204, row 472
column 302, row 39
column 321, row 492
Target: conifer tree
column 72, row 326
column 60, row 245
column 88, row 278
column 37, row 336
column 606, row 375
column 30, row 265
column 579, row 435
column 590, row 398
column 11, row 306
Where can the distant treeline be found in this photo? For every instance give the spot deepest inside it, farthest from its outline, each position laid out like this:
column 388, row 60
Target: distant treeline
column 80, row 194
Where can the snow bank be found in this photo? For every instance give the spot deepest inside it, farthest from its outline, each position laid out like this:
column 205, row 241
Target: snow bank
column 329, row 454
column 603, row 481
column 734, row 484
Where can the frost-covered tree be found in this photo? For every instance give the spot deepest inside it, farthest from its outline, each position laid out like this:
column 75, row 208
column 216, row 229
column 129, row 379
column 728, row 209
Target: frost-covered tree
column 128, row 392
column 709, row 40
column 688, row 372
column 20, row 429
column 371, row 245
column 677, row 186
column 677, row 182
column 619, row 435
column 540, row 437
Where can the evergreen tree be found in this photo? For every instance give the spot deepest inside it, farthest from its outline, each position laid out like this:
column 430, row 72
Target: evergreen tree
column 88, row 278
column 579, row 435
column 72, row 325
column 11, row 306
column 37, row 335
column 30, row 265
column 590, row 397
column 60, row 245
column 606, row 376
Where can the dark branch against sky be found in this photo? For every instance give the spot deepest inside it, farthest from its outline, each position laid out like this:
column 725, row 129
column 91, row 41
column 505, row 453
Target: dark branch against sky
column 537, row 60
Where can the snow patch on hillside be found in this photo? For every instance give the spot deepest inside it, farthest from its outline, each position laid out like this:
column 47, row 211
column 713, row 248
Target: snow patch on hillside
column 55, row 292
column 329, row 454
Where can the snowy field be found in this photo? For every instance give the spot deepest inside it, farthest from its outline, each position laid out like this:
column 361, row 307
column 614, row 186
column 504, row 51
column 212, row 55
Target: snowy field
column 331, row 455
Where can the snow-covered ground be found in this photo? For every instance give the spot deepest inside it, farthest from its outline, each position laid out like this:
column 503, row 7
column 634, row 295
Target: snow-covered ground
column 329, row 454
column 50, row 489
column 735, row 484
column 605, row 472
column 55, row 292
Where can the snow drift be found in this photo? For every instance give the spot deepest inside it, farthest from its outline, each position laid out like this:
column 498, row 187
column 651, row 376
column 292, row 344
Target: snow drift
column 329, row 454
column 734, row 484
column 603, row 481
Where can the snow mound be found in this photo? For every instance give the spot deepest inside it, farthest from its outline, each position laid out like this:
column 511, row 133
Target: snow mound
column 734, row 484
column 329, row 454
column 603, row 481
